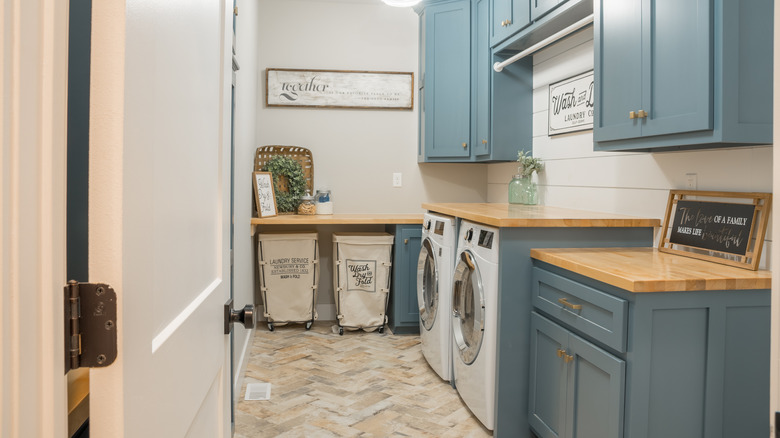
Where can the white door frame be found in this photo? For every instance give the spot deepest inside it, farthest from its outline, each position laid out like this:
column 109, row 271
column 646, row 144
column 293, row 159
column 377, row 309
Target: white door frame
column 33, row 123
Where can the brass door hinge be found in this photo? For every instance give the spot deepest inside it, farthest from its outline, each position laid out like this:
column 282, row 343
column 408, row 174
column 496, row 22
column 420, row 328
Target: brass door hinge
column 90, row 325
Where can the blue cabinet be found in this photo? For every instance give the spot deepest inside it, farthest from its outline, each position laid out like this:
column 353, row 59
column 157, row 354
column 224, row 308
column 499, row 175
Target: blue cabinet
column 692, row 363
column 673, row 74
column 576, row 387
column 508, row 17
column 402, row 313
column 540, row 8
column 469, row 113
column 447, row 42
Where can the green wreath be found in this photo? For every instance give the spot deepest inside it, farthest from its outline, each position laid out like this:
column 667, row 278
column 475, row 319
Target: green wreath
column 281, row 165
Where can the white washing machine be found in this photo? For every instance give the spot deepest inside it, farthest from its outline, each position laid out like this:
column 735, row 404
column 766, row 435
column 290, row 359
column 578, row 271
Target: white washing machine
column 474, row 319
column 434, row 291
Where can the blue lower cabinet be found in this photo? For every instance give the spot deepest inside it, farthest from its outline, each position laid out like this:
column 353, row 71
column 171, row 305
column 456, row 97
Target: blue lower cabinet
column 696, row 363
column 576, row 387
column 403, row 313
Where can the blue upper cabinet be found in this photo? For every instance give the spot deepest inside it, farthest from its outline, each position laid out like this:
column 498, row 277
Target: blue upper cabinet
column 481, row 71
column 469, row 113
column 508, row 17
column 682, row 74
column 447, row 79
column 541, row 7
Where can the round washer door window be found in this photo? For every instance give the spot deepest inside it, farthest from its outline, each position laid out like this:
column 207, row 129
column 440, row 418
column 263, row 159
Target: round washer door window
column 468, row 308
column 427, row 285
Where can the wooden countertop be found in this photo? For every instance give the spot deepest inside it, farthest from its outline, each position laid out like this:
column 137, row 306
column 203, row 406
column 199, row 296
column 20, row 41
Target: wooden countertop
column 338, row 219
column 648, row 270
column 515, row 215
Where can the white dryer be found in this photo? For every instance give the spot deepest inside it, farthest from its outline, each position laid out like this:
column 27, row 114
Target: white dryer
column 434, row 291
column 474, row 319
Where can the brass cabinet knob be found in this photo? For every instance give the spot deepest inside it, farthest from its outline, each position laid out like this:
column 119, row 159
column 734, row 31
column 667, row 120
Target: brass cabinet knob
column 642, row 114
column 406, row 241
column 508, row 22
column 568, row 358
column 631, row 115
column 484, row 141
column 561, row 352
column 464, row 145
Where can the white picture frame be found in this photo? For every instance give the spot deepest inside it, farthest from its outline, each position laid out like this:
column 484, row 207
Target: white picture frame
column 265, row 199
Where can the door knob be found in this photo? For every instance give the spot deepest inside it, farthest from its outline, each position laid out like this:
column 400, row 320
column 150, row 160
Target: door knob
column 245, row 316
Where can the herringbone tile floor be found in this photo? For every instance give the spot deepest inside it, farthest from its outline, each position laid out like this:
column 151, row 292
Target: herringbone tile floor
column 357, row 385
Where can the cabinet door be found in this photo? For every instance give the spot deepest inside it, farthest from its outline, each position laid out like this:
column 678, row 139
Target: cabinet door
column 447, row 79
column 547, row 392
column 508, row 17
column 677, row 66
column 481, row 69
column 540, row 7
column 403, row 313
column 596, row 388
column 617, row 40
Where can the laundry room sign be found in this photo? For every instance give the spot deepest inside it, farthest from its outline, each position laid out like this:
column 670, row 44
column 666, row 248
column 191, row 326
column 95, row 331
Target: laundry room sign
column 571, row 104
column 338, row 89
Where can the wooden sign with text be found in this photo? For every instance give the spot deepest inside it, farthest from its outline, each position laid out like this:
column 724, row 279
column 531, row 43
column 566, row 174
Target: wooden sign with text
column 724, row 227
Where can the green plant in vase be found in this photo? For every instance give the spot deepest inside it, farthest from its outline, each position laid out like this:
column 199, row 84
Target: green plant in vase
column 521, row 189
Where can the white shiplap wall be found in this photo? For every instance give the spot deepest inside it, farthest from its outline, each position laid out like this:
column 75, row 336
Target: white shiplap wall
column 632, row 183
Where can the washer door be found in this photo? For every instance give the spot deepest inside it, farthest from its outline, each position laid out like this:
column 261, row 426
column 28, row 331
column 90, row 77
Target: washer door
column 427, row 285
column 468, row 308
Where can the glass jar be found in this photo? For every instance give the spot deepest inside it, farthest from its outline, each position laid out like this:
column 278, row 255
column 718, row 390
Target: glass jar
column 522, row 190
column 307, row 205
column 324, row 201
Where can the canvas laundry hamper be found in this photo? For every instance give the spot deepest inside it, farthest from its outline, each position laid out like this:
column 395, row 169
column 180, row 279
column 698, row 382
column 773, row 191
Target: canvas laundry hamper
column 361, row 279
column 289, row 274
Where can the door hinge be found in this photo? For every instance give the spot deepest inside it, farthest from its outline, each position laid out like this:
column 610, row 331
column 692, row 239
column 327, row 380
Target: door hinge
column 90, row 325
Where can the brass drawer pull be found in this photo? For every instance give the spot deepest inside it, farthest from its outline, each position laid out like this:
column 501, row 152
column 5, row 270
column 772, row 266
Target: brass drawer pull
column 570, row 305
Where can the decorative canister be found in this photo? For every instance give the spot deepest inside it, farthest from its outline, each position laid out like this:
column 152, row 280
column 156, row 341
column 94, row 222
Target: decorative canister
column 324, row 201
column 307, row 205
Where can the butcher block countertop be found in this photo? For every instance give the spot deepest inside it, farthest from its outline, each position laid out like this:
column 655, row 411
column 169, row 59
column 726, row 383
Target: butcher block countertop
column 516, row 215
column 649, row 270
column 338, row 219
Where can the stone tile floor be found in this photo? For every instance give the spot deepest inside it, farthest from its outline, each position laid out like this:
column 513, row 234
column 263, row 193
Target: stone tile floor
column 357, row 385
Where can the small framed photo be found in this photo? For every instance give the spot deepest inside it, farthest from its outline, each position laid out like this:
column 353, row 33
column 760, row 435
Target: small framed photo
column 264, row 194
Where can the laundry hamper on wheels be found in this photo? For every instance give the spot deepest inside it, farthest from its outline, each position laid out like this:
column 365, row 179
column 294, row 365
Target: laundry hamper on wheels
column 288, row 277
column 361, row 279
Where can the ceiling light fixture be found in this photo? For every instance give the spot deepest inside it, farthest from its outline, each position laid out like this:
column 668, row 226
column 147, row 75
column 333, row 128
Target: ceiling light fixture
column 401, row 3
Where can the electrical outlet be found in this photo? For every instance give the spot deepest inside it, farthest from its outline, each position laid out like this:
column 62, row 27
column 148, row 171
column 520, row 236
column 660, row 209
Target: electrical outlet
column 397, row 179
column 690, row 181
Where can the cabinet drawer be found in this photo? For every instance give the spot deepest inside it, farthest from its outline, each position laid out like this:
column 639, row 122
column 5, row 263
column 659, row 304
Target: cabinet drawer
column 601, row 316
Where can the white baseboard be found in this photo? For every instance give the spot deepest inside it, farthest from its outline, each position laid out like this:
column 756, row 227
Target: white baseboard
column 243, row 361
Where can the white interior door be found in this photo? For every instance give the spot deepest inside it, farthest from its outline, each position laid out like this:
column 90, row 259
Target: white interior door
column 33, row 86
column 159, row 214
